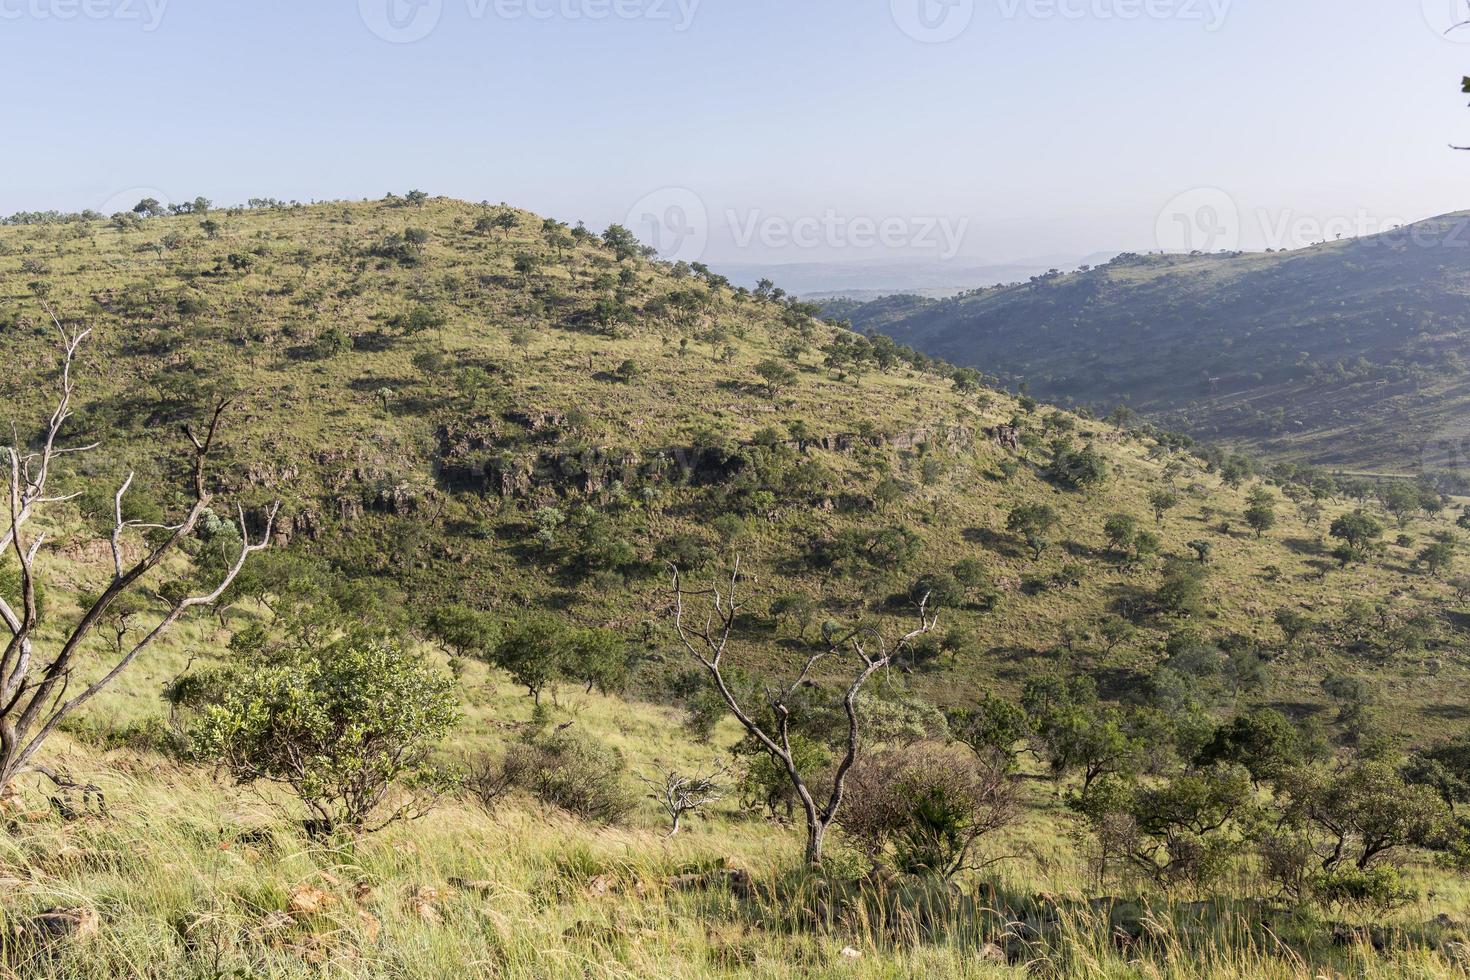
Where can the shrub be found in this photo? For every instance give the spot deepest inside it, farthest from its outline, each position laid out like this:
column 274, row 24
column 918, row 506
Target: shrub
column 341, row 725
column 1377, row 890
column 1079, row 469
column 574, row 773
column 926, row 808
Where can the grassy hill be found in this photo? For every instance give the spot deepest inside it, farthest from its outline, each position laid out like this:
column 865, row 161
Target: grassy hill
column 1347, row 353
column 462, row 403
column 421, row 457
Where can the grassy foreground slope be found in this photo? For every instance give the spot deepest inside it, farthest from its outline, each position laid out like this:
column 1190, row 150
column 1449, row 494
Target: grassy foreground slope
column 188, row 879
column 1344, row 353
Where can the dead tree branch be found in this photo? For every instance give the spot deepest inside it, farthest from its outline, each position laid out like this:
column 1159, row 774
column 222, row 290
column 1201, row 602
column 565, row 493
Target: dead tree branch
column 34, row 685
column 707, row 637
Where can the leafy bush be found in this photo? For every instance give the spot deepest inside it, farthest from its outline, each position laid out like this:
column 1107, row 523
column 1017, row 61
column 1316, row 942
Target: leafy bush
column 340, row 725
column 1377, row 890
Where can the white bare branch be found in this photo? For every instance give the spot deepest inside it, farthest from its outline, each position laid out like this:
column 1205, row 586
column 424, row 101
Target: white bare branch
column 33, row 698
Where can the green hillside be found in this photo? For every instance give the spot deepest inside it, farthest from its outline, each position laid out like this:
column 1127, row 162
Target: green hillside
column 468, row 408
column 1347, row 353
column 620, row 401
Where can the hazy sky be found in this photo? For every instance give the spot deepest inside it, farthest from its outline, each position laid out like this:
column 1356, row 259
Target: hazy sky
column 763, row 130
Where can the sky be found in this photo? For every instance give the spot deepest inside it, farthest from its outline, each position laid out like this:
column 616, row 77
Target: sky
column 764, row 131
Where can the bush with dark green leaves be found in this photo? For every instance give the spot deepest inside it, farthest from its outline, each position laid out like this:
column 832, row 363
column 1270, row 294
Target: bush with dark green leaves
column 1079, row 469
column 1186, row 830
column 1263, row 741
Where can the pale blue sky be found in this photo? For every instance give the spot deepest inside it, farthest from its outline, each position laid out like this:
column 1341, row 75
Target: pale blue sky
column 1044, row 127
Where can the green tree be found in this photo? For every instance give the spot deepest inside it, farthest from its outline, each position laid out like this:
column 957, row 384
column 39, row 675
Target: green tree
column 536, row 651
column 1263, row 741
column 994, row 728
column 1358, row 532
column 776, row 375
column 1437, row 556
column 1079, row 469
column 1121, row 531
column 461, row 631
column 1034, row 523
column 1363, row 811
column 1162, row 501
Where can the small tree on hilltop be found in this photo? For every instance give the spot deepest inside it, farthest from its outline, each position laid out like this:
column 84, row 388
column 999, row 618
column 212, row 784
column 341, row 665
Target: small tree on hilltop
column 707, row 638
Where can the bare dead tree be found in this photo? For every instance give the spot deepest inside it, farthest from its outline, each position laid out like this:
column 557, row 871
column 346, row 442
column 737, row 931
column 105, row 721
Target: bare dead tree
column 679, row 795
column 34, row 685
column 866, row 649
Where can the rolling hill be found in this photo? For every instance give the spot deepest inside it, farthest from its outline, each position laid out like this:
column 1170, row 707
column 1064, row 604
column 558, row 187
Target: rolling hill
column 466, row 405
column 1347, row 353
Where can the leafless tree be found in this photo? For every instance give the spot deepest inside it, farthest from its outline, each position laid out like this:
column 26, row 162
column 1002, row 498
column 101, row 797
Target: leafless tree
column 34, row 684
column 679, row 795
column 865, row 649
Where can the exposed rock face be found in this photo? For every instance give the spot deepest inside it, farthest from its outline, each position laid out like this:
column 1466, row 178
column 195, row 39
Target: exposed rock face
column 594, row 470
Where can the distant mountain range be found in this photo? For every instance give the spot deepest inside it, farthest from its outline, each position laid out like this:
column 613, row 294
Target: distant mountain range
column 1349, row 353
column 876, row 278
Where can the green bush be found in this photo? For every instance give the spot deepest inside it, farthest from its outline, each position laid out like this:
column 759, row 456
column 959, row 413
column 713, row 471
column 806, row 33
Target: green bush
column 341, row 726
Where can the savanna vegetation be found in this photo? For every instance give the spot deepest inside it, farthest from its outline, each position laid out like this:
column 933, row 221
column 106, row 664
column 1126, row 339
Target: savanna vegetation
column 421, row 588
